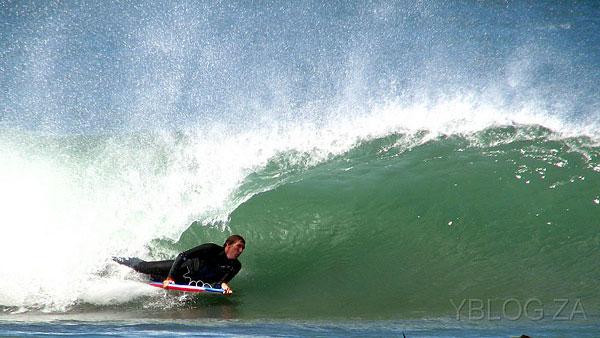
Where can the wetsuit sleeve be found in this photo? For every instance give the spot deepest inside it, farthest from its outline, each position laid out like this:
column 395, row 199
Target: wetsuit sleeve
column 235, row 269
column 176, row 264
column 199, row 251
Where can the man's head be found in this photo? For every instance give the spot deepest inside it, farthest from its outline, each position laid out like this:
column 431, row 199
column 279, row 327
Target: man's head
column 234, row 246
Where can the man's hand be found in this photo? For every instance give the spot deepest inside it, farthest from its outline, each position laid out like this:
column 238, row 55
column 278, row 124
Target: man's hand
column 226, row 289
column 167, row 281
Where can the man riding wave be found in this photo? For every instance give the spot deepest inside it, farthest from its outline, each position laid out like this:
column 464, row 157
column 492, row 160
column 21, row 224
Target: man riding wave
column 209, row 263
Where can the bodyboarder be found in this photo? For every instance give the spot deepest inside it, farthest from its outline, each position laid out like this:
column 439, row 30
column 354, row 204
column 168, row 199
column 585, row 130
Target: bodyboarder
column 209, row 263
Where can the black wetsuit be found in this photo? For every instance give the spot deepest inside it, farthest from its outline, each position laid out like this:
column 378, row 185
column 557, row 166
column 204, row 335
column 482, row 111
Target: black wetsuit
column 207, row 263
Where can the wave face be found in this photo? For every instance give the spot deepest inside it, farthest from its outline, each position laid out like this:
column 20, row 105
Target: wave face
column 389, row 227
column 380, row 158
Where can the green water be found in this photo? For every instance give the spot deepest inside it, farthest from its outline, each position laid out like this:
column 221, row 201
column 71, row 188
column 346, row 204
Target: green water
column 388, row 229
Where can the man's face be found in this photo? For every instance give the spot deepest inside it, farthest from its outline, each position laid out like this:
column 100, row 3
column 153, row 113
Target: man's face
column 234, row 250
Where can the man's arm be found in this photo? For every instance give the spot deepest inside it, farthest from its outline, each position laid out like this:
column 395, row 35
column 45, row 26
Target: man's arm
column 225, row 280
column 176, row 264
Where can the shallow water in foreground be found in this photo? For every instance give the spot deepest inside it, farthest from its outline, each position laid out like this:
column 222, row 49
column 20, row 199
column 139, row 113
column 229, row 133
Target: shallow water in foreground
column 183, row 323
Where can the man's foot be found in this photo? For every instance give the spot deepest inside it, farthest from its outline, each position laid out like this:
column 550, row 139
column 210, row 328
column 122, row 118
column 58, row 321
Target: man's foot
column 131, row 262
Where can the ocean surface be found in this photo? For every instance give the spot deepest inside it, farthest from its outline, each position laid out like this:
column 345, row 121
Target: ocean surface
column 429, row 169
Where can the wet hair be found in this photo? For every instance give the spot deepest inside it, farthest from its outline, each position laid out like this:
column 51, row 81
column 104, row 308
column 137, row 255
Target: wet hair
column 234, row 238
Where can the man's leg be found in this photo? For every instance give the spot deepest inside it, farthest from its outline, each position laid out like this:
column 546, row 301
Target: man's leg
column 156, row 269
